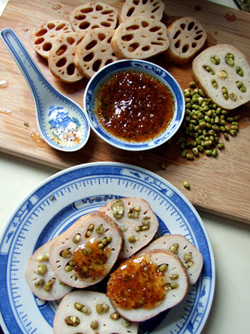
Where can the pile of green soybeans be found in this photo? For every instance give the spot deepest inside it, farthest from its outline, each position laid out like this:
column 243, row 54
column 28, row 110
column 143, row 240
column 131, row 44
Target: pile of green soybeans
column 204, row 124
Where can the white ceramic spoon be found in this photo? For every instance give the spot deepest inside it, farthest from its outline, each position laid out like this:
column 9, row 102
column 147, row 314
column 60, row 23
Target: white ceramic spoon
column 61, row 122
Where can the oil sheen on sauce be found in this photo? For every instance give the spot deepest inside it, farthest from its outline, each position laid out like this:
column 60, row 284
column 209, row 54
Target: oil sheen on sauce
column 134, row 106
column 137, row 283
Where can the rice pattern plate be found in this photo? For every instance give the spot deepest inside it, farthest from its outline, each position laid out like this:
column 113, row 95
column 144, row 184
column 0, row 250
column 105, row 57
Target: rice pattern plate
column 58, row 202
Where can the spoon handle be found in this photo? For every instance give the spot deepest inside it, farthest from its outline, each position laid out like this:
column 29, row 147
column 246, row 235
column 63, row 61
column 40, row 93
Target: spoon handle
column 33, row 76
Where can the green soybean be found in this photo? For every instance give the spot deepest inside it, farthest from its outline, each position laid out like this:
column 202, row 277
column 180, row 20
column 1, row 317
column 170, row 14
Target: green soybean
column 186, row 184
column 205, row 122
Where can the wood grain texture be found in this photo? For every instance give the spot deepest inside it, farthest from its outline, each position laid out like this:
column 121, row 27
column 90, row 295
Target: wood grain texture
column 218, row 185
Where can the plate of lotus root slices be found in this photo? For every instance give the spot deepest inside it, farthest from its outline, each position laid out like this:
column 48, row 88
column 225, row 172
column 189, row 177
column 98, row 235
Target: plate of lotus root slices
column 105, row 248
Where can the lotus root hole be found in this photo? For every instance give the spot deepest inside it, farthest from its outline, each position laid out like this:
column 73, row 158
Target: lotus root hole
column 105, row 24
column 61, row 62
column 39, row 41
column 41, row 32
column 177, row 44
column 86, row 10
column 47, row 46
column 107, row 12
column 79, row 41
column 51, row 26
column 154, row 29
column 176, row 34
column 91, row 45
column 109, row 61
column 80, row 17
column 132, row 27
column 61, row 50
column 97, row 64
column 70, row 40
column 156, row 43
column 145, row 24
column 191, row 25
column 130, row 11
column 155, row 9
column 132, row 47
column 84, row 25
column 185, row 48
column 183, row 26
column 71, row 69
column 198, row 37
column 98, row 8
column 101, row 36
column 60, row 26
column 89, row 57
column 127, row 38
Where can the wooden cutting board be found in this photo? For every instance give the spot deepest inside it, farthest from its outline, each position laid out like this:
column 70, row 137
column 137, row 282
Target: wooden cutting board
column 218, row 185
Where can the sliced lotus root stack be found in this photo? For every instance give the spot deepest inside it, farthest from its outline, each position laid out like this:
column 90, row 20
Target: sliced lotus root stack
column 148, row 8
column 186, row 37
column 137, row 221
column 140, row 38
column 223, row 73
column 85, row 253
column 93, row 15
column 146, row 285
column 41, row 278
column 188, row 254
column 44, row 36
column 90, row 312
column 61, row 57
column 94, row 51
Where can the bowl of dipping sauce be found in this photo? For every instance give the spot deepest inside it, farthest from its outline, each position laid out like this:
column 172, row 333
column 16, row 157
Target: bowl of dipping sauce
column 134, row 105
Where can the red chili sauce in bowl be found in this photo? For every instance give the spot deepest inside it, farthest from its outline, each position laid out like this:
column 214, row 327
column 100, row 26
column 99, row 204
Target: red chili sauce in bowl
column 134, row 106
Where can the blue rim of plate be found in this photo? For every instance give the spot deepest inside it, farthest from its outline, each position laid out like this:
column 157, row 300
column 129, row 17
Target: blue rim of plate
column 58, row 202
column 161, row 74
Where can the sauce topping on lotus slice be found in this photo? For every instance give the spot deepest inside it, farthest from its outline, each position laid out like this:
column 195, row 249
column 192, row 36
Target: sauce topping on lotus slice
column 85, row 253
column 137, row 283
column 147, row 284
column 90, row 260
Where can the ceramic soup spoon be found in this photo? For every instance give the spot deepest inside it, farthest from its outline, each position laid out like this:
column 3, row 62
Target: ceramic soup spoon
column 61, row 122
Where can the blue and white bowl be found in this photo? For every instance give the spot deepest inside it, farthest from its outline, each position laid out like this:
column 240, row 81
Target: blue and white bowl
column 90, row 94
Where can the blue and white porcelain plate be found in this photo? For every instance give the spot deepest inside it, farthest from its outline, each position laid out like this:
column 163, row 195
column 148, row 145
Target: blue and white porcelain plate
column 58, row 202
